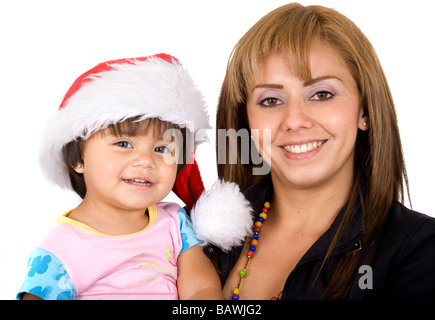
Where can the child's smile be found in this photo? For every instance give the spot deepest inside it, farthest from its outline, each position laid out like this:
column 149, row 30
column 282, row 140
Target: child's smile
column 138, row 182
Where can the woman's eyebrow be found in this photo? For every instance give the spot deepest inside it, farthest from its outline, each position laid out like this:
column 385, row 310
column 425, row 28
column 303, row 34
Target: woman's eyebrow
column 313, row 81
column 269, row 85
column 306, row 83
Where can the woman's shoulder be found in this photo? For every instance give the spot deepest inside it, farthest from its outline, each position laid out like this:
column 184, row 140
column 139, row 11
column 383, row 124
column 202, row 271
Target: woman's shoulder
column 406, row 257
column 409, row 224
column 408, row 235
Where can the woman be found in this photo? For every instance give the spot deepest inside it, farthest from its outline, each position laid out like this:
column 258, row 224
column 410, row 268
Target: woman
column 309, row 87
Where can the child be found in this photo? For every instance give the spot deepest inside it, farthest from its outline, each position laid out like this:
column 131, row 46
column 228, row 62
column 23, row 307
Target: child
column 107, row 143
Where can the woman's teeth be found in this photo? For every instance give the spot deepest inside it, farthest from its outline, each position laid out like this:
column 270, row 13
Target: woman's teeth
column 303, row 147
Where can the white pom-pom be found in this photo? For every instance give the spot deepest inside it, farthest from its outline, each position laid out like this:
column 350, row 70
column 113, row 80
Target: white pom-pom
column 222, row 216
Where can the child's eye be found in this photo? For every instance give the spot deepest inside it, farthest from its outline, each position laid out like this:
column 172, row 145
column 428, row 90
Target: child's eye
column 124, row 144
column 322, row 96
column 162, row 149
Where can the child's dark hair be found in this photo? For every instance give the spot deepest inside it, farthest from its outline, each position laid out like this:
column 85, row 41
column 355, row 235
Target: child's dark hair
column 73, row 151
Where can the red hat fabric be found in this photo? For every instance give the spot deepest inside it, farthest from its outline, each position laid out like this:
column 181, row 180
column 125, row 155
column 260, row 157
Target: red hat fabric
column 155, row 86
column 107, row 66
column 188, row 184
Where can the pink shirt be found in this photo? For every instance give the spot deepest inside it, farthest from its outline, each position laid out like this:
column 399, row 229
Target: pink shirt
column 142, row 265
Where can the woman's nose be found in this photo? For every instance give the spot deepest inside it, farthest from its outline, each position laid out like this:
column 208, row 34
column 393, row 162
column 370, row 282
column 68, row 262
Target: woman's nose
column 296, row 116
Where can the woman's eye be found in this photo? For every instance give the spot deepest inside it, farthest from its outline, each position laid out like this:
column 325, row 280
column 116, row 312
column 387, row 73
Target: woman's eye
column 124, row 144
column 322, row 96
column 162, row 149
column 270, row 102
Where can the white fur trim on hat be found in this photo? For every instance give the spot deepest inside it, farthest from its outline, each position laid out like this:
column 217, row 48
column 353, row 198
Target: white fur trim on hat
column 145, row 89
column 222, row 216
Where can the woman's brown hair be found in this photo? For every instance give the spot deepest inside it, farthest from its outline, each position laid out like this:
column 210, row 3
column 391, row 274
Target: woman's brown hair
column 378, row 163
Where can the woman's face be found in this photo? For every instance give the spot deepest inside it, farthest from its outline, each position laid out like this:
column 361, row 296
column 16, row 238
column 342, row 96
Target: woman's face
column 313, row 124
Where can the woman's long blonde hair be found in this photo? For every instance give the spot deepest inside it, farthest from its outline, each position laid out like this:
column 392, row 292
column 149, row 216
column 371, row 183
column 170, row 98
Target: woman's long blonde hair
column 378, row 163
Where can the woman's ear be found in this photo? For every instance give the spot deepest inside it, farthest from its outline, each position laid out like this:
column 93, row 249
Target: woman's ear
column 363, row 123
column 79, row 168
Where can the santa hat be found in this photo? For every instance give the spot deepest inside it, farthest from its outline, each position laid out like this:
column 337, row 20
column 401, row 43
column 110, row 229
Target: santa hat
column 147, row 87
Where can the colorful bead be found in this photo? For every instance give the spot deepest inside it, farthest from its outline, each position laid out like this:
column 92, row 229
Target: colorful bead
column 254, row 243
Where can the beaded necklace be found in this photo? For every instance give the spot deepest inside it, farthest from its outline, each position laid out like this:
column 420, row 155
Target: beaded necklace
column 254, row 243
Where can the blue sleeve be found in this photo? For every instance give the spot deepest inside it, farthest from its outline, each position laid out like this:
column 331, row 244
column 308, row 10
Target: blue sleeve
column 47, row 278
column 188, row 234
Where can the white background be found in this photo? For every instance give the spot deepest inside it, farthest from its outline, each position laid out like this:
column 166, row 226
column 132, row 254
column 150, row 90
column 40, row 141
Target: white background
column 46, row 44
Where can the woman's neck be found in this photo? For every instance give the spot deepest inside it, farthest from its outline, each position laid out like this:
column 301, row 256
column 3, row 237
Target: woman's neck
column 312, row 209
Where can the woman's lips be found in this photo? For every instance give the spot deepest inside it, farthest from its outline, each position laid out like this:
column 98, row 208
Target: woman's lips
column 302, row 150
column 303, row 147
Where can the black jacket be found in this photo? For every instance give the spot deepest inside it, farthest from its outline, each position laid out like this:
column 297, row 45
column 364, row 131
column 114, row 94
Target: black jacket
column 404, row 266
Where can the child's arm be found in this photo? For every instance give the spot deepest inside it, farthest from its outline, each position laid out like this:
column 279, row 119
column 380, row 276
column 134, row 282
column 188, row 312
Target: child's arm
column 29, row 296
column 197, row 277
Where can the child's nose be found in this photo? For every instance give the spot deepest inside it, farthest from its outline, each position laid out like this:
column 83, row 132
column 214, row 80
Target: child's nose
column 143, row 159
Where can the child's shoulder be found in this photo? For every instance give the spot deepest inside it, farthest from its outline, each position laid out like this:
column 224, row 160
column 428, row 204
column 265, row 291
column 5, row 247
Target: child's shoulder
column 67, row 239
column 60, row 227
column 174, row 211
column 171, row 208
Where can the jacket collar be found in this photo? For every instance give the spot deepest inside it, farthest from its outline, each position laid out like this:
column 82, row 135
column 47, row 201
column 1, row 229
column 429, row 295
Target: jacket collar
column 349, row 241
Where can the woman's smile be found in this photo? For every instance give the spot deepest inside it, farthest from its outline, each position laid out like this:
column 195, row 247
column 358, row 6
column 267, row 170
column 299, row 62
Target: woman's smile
column 300, row 148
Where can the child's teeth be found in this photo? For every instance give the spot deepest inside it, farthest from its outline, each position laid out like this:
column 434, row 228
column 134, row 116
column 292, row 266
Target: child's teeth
column 140, row 181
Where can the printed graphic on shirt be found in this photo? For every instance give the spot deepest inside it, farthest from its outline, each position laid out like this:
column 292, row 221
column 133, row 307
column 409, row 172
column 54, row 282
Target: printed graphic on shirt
column 143, row 263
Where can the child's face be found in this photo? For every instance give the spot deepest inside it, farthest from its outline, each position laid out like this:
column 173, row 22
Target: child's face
column 128, row 172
